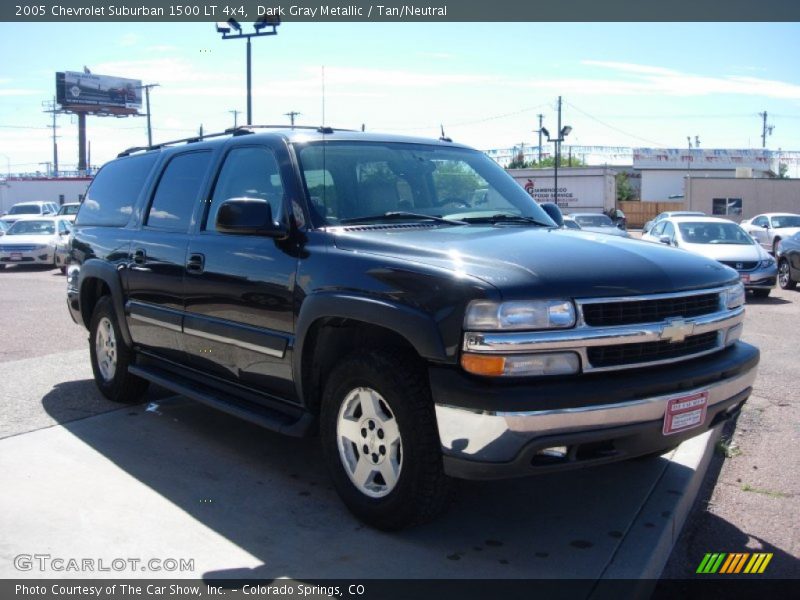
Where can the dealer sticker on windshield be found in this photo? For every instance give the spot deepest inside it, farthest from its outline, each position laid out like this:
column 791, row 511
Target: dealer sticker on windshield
column 685, row 412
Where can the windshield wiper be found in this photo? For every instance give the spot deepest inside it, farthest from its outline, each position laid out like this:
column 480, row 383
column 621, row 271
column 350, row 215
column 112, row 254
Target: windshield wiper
column 400, row 214
column 505, row 218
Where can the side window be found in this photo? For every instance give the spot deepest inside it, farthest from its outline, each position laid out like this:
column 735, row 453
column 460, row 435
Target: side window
column 63, row 227
column 669, row 230
column 659, row 228
column 176, row 194
column 760, row 221
column 248, row 172
column 110, row 198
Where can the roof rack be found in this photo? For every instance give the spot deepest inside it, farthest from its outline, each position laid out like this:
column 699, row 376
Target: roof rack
column 234, row 131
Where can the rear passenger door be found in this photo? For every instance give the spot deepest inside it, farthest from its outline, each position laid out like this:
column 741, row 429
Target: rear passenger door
column 157, row 256
column 239, row 318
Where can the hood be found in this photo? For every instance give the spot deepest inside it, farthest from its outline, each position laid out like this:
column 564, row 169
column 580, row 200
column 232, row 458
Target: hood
column 729, row 252
column 28, row 240
column 530, row 262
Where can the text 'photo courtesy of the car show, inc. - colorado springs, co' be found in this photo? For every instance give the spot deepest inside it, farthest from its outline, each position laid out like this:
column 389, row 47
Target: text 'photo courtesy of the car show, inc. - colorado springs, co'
column 402, row 300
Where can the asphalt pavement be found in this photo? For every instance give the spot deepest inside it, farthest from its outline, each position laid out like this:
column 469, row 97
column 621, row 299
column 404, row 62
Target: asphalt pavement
column 168, row 478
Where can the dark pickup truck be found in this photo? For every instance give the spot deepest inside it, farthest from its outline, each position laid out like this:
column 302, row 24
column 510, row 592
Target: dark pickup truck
column 406, row 300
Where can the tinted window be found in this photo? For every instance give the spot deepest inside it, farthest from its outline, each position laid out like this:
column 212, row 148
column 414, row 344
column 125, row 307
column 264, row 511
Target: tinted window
column 111, row 196
column 714, row 233
column 659, row 228
column 760, row 221
column 786, row 221
column 32, row 228
column 669, row 230
column 25, row 209
column 249, row 172
column 177, row 191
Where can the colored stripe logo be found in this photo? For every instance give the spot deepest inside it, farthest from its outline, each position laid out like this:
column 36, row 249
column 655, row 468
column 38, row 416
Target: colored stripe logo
column 734, row 563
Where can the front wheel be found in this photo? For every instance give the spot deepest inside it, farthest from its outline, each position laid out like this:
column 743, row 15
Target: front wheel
column 381, row 445
column 111, row 357
column 785, row 276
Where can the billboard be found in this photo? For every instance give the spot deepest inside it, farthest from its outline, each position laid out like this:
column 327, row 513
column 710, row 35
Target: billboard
column 100, row 93
column 696, row 158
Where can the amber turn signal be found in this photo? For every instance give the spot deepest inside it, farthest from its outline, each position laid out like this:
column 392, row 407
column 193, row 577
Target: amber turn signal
column 483, row 364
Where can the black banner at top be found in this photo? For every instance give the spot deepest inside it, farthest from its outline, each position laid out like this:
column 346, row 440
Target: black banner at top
column 402, row 11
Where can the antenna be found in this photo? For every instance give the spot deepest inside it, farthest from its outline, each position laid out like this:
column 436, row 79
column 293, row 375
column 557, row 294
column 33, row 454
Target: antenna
column 323, row 96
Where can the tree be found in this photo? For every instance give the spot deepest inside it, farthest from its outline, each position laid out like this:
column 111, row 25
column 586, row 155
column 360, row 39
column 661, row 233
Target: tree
column 625, row 191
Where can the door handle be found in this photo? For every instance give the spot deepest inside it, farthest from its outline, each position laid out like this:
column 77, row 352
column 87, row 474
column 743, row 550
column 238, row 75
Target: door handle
column 139, row 256
column 195, row 264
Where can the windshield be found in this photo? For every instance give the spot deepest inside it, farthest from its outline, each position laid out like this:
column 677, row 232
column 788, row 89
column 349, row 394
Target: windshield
column 25, row 209
column 593, row 220
column 32, row 228
column 69, row 209
column 350, row 182
column 786, row 221
column 714, row 233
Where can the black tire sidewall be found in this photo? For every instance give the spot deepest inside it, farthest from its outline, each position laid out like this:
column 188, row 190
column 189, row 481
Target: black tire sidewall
column 393, row 510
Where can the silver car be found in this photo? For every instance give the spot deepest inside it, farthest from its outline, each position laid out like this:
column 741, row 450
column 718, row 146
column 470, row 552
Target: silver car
column 34, row 241
column 769, row 229
column 723, row 241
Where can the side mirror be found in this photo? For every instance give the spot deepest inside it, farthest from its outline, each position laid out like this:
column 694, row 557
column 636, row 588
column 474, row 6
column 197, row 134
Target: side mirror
column 665, row 239
column 554, row 212
column 248, row 216
column 765, row 225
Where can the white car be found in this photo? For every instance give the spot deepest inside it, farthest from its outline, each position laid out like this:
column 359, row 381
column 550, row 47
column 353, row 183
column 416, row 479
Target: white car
column 69, row 211
column 34, row 241
column 29, row 209
column 723, row 241
column 769, row 229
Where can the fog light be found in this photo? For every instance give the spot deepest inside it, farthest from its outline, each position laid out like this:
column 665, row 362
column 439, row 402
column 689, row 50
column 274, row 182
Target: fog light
column 553, row 452
column 734, row 333
column 521, row 365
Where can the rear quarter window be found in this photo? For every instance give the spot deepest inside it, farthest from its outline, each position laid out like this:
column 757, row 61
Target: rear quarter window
column 111, row 196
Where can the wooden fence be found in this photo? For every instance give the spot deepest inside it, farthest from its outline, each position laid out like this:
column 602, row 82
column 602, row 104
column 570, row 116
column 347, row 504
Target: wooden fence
column 638, row 213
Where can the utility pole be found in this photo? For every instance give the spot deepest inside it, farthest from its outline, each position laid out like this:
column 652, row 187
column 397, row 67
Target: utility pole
column 540, row 139
column 765, row 129
column 292, row 114
column 558, row 155
column 235, row 114
column 51, row 108
column 146, row 89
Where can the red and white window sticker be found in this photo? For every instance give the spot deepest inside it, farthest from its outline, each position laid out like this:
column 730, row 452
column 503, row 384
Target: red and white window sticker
column 685, row 412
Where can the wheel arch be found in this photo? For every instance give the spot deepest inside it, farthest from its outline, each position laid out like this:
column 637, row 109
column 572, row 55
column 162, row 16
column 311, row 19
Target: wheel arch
column 98, row 279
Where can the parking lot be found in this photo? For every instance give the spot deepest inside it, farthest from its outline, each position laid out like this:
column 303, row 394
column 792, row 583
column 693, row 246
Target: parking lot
column 170, row 479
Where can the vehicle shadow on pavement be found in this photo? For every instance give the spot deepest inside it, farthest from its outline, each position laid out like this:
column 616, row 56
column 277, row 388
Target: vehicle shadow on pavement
column 706, row 532
column 271, row 496
column 769, row 300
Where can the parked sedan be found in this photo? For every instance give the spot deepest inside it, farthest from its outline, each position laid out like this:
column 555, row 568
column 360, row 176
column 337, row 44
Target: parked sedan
column 33, row 241
column 723, row 241
column 4, row 227
column 69, row 210
column 597, row 223
column 29, row 209
column 788, row 255
column 673, row 213
column 769, row 229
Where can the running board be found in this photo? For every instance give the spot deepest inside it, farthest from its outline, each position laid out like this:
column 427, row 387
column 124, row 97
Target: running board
column 259, row 415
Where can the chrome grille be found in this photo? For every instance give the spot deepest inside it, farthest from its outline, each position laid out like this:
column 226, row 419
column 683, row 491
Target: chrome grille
column 748, row 265
column 17, row 247
column 631, row 354
column 631, row 312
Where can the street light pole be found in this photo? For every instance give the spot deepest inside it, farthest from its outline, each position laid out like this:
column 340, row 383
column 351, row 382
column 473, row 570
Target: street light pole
column 232, row 24
column 562, row 133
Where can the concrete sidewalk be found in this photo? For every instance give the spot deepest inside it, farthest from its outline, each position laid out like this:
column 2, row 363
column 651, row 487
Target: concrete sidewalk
column 178, row 480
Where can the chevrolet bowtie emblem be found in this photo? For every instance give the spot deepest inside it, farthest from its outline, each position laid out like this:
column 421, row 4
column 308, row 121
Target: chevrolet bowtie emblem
column 676, row 330
column 739, row 265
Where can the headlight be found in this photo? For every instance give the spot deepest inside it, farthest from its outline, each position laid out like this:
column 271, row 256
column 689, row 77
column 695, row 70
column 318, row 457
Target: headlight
column 525, row 314
column 521, row 365
column 734, row 296
column 767, row 263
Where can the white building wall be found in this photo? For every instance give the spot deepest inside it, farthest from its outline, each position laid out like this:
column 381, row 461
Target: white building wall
column 15, row 190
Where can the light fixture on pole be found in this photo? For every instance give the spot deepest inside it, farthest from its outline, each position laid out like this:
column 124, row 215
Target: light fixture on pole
column 564, row 132
column 266, row 25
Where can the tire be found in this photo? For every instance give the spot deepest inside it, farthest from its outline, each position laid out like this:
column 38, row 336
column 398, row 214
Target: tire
column 2, row 267
column 785, row 275
column 382, row 399
column 111, row 357
column 761, row 293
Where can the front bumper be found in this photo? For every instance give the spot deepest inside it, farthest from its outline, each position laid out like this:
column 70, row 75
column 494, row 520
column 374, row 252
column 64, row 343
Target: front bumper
column 598, row 419
column 760, row 279
column 39, row 256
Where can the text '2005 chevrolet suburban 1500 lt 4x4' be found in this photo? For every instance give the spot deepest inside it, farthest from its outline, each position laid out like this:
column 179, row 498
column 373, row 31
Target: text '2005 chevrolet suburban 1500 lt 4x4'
column 405, row 299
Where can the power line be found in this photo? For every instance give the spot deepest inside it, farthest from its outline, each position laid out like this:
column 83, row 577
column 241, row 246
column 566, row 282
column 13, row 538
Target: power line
column 617, row 129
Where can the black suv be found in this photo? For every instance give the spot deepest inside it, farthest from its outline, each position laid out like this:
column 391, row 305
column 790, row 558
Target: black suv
column 405, row 299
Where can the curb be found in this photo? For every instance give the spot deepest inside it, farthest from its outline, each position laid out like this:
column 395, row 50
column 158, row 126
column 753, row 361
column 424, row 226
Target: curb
column 647, row 545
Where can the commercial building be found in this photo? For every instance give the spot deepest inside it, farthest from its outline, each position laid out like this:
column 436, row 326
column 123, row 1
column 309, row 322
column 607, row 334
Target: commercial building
column 48, row 189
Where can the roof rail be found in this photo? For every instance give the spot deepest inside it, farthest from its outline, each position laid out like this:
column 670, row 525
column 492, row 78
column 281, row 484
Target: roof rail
column 234, row 131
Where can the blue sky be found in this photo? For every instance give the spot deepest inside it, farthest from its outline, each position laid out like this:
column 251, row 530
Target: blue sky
column 633, row 84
